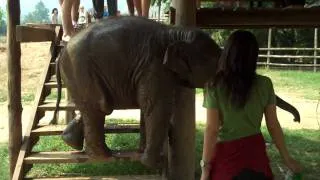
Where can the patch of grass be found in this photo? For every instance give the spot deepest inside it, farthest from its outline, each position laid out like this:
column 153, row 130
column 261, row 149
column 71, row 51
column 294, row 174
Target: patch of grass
column 303, row 144
column 305, row 84
column 4, row 162
column 3, row 39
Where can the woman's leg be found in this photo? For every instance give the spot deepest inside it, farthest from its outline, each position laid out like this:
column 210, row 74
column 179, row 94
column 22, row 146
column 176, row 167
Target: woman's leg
column 75, row 11
column 98, row 6
column 66, row 19
column 137, row 4
column 130, row 7
column 145, row 8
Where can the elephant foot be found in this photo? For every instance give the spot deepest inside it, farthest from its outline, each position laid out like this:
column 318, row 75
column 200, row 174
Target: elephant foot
column 97, row 152
column 73, row 135
column 152, row 161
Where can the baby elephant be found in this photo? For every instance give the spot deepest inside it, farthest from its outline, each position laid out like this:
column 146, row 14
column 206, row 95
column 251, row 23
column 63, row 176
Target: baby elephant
column 132, row 63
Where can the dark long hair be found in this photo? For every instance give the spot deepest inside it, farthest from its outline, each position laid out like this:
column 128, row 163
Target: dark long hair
column 54, row 10
column 237, row 65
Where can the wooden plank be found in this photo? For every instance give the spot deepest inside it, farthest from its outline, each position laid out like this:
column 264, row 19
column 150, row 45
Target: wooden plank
column 76, row 157
column 53, row 84
column 256, row 18
column 14, row 84
column 43, row 26
column 51, row 106
column 51, row 130
column 130, row 177
column 18, row 172
column 34, row 34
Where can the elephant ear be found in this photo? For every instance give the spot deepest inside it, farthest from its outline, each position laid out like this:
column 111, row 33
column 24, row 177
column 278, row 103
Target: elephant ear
column 176, row 59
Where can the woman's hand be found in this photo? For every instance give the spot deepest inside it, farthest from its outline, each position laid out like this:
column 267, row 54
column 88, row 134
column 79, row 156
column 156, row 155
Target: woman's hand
column 205, row 174
column 293, row 165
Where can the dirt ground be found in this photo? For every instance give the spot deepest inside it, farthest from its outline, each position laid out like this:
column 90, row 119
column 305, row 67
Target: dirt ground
column 34, row 56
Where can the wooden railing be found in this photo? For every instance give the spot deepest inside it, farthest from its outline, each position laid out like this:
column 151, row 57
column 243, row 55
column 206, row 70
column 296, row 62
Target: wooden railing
column 271, row 53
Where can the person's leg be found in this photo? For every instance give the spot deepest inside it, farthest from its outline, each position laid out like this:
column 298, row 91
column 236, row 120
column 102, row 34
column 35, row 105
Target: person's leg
column 66, row 19
column 198, row 4
column 112, row 7
column 75, row 11
column 130, row 7
column 145, row 8
column 98, row 6
column 137, row 4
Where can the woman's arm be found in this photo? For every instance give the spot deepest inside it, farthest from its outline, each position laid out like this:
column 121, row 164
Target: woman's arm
column 210, row 140
column 276, row 133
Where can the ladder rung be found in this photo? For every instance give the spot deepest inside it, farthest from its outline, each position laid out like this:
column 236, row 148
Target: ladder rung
column 53, row 84
column 129, row 177
column 51, row 130
column 76, row 157
column 51, row 106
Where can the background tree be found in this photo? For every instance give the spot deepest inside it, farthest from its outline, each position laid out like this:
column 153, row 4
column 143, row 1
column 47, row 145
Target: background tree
column 3, row 25
column 39, row 15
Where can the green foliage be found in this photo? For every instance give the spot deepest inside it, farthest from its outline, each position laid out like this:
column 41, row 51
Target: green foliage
column 4, row 161
column 3, row 25
column 39, row 15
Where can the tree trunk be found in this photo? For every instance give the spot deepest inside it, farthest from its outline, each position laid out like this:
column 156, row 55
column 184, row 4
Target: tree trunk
column 14, row 83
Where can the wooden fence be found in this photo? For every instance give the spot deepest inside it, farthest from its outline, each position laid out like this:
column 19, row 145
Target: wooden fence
column 271, row 53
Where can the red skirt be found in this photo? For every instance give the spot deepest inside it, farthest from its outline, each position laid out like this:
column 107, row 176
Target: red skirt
column 233, row 157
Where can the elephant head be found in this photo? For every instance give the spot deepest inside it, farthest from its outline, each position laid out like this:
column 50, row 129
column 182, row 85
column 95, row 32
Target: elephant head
column 192, row 58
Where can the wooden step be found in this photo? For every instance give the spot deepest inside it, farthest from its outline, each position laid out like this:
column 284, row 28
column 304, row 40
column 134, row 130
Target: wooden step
column 52, row 130
column 76, row 157
column 51, row 106
column 53, row 84
column 129, row 177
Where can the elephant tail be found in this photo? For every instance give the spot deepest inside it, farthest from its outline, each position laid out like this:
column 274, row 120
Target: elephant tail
column 59, row 90
column 288, row 107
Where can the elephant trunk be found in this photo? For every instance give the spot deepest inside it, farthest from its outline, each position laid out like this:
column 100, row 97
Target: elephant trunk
column 288, row 107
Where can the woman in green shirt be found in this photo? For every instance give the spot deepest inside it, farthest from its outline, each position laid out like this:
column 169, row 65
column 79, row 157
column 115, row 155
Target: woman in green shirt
column 236, row 100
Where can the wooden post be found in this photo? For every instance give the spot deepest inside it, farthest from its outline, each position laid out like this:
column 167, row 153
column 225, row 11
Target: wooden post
column 182, row 133
column 315, row 49
column 14, row 83
column 69, row 114
column 269, row 46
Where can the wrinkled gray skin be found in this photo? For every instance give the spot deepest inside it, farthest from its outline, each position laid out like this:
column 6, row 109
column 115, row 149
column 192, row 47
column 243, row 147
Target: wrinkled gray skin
column 132, row 62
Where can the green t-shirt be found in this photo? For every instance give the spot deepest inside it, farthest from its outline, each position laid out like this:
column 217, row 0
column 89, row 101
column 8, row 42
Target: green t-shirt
column 241, row 122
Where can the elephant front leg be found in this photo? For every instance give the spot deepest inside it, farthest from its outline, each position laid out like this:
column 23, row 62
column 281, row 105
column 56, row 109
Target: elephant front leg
column 157, row 125
column 95, row 147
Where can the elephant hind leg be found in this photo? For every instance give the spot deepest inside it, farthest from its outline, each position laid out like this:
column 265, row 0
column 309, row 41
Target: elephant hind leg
column 93, row 121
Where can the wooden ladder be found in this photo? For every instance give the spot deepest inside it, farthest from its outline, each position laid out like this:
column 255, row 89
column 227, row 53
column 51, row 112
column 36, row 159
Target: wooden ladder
column 27, row 157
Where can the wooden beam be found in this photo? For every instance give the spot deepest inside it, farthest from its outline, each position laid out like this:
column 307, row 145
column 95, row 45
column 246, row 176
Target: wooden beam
column 14, row 83
column 77, row 157
column 35, row 34
column 51, row 130
column 257, row 18
column 51, row 106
